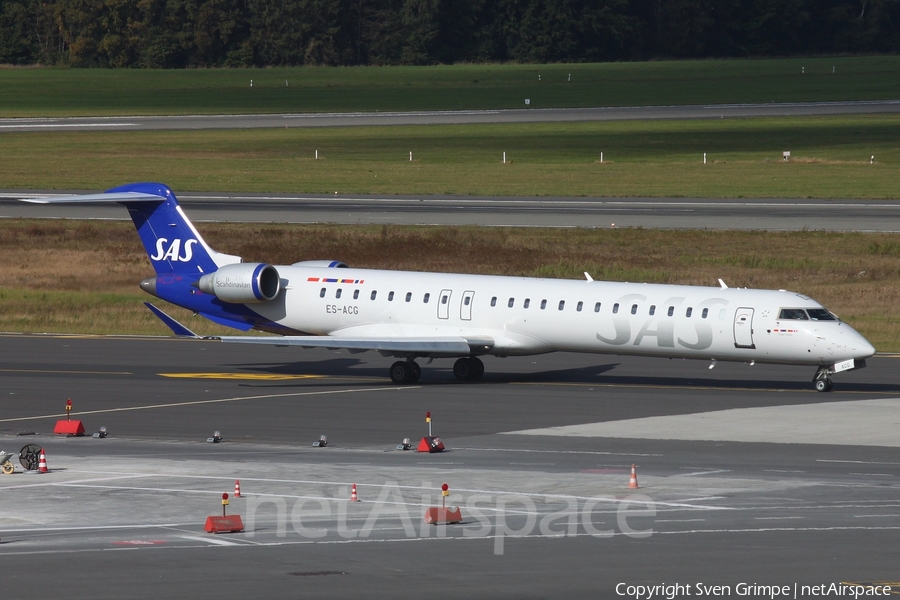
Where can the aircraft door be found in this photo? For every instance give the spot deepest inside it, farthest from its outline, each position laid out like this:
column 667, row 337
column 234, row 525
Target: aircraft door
column 743, row 328
column 465, row 307
column 444, row 304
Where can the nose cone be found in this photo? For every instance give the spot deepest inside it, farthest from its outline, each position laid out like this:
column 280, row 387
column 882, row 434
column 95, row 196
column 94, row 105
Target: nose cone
column 858, row 346
column 864, row 348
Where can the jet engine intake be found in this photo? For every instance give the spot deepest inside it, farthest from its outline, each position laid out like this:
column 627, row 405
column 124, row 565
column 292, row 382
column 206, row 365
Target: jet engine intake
column 242, row 283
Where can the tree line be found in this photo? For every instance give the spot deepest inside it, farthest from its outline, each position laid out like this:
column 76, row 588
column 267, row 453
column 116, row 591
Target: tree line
column 213, row 33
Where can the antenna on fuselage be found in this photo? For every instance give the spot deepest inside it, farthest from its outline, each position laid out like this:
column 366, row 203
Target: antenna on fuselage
column 722, row 283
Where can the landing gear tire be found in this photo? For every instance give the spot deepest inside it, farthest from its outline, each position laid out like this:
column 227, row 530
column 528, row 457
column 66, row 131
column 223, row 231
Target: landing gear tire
column 479, row 368
column 824, row 385
column 404, row 371
column 468, row 369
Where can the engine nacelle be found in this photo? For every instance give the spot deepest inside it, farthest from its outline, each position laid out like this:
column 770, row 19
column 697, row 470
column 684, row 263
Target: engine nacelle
column 242, row 283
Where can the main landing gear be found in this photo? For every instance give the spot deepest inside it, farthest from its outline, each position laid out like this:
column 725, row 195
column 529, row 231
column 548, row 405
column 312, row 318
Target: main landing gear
column 405, row 371
column 469, row 368
column 822, row 381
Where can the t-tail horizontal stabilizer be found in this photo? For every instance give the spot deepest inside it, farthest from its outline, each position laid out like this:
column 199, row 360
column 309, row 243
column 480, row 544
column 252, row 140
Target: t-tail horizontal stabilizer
column 179, row 329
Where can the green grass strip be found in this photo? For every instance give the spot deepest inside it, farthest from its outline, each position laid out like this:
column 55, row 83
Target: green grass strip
column 830, row 159
column 69, row 92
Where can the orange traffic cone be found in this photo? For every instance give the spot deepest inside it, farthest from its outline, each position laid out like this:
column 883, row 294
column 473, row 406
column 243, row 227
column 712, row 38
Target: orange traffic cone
column 353, row 496
column 42, row 463
column 633, row 483
column 237, row 488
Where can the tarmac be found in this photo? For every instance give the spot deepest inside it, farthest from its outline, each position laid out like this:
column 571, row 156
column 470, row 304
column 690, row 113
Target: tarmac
column 745, row 474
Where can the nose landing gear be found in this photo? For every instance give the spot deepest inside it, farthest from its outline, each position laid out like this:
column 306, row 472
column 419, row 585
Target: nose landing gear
column 824, row 385
column 821, row 381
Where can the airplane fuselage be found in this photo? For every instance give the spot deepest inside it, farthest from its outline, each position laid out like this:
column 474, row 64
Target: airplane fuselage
column 531, row 316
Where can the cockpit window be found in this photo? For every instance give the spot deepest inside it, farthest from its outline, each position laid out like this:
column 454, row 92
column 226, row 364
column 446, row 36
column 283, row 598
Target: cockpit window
column 820, row 314
column 793, row 314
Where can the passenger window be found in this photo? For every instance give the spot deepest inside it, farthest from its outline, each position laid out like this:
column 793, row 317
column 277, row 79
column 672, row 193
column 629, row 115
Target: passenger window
column 793, row 314
column 445, row 298
column 543, row 304
column 579, row 306
column 468, row 299
column 374, row 293
column 527, row 302
column 597, row 307
column 494, row 301
column 820, row 314
column 634, row 309
column 426, row 298
column 705, row 313
column 356, row 294
column 688, row 312
column 390, row 296
column 408, row 296
column 337, row 294
column 322, row 293
column 562, row 304
column 616, row 308
column 652, row 309
column 511, row 302
column 671, row 311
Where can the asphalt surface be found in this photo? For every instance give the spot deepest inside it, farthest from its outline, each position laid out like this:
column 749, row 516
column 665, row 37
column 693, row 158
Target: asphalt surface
column 544, row 515
column 254, row 121
column 663, row 213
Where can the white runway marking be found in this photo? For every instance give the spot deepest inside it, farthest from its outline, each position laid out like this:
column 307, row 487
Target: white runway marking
column 210, row 540
column 218, row 401
column 555, row 451
column 64, row 125
column 679, row 520
column 678, row 504
column 857, row 462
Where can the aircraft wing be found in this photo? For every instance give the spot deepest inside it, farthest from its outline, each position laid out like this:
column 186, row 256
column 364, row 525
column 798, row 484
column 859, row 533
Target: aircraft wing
column 105, row 197
column 398, row 346
column 387, row 345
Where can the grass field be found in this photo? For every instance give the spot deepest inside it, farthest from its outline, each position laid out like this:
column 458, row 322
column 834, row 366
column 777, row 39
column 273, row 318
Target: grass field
column 29, row 92
column 81, row 277
column 830, row 159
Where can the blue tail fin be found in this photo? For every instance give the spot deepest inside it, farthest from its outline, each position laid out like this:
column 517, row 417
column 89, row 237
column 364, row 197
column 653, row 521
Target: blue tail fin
column 170, row 239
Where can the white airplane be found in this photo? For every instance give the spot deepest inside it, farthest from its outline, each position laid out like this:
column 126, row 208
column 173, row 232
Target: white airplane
column 410, row 315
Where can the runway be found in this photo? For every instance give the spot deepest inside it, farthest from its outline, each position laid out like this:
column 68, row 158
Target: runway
column 662, row 213
column 544, row 512
column 616, row 113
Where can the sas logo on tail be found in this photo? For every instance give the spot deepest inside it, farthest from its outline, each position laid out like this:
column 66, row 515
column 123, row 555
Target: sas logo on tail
column 173, row 252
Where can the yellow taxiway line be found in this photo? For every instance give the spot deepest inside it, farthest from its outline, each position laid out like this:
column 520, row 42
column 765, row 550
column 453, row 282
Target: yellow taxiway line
column 248, row 376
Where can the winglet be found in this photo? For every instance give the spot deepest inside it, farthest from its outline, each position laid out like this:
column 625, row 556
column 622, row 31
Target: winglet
column 179, row 329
